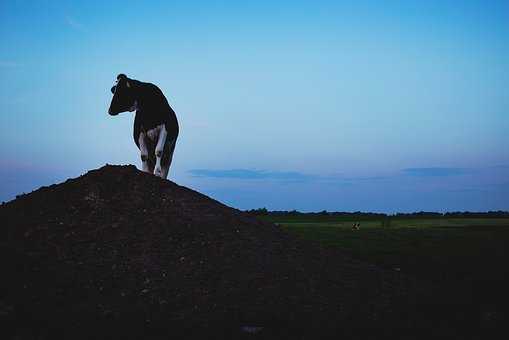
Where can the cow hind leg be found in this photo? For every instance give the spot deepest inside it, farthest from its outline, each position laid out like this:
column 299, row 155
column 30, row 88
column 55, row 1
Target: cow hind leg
column 151, row 164
column 159, row 150
column 167, row 156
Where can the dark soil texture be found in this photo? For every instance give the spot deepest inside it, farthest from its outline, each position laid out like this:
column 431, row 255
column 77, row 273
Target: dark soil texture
column 117, row 253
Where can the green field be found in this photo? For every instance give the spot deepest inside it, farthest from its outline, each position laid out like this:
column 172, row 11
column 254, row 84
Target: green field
column 471, row 254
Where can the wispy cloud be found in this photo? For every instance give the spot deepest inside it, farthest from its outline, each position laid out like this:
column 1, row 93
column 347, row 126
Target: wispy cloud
column 434, row 172
column 253, row 174
column 500, row 166
column 74, row 24
column 9, row 63
column 249, row 174
column 287, row 176
column 365, row 179
column 465, row 190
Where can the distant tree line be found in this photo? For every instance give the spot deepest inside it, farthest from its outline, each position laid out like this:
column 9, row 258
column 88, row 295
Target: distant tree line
column 368, row 215
column 466, row 214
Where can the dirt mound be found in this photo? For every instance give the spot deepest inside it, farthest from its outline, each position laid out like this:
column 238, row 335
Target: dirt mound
column 119, row 253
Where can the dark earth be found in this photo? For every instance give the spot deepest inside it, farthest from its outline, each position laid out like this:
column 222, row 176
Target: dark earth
column 117, row 253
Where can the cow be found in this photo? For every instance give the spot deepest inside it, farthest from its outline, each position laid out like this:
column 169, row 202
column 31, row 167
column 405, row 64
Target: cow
column 155, row 124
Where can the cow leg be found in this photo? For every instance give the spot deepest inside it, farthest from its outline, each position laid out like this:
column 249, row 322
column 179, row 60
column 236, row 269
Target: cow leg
column 145, row 162
column 168, row 156
column 161, row 141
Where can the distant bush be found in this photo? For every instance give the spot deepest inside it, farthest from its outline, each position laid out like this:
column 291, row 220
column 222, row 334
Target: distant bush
column 358, row 215
column 258, row 212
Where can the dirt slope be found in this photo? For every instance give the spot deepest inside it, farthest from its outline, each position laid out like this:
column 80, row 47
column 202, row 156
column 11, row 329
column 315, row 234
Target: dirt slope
column 118, row 253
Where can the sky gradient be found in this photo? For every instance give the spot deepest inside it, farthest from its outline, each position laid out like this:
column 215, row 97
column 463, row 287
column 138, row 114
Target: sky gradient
column 312, row 105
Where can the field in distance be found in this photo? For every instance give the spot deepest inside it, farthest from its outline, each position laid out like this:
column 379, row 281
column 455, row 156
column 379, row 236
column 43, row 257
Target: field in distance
column 467, row 255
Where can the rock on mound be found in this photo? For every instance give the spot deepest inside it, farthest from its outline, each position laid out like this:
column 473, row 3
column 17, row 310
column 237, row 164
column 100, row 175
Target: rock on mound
column 119, row 253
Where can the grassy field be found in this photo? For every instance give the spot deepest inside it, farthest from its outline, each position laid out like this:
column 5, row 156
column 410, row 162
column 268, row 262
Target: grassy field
column 471, row 254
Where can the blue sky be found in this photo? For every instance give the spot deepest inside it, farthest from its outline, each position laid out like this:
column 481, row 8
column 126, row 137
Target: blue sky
column 399, row 106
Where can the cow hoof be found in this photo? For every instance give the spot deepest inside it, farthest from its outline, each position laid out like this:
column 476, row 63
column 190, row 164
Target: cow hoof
column 158, row 172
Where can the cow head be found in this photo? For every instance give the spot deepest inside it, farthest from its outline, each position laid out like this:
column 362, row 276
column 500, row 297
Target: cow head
column 124, row 98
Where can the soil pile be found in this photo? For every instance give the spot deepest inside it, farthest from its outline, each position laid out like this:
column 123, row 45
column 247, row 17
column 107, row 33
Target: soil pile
column 117, row 253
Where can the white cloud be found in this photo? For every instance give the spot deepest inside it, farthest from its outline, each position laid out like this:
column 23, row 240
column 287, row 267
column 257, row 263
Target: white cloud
column 74, row 24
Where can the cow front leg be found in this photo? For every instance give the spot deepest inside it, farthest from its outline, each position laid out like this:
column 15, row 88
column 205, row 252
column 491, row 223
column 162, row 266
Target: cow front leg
column 158, row 171
column 145, row 161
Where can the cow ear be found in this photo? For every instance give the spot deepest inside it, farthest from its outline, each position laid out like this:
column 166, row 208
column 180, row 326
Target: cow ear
column 113, row 89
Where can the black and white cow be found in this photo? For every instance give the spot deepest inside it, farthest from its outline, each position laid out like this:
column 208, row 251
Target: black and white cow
column 155, row 125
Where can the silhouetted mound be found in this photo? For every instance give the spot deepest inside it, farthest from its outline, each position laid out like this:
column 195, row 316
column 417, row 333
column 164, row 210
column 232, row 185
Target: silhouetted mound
column 120, row 253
